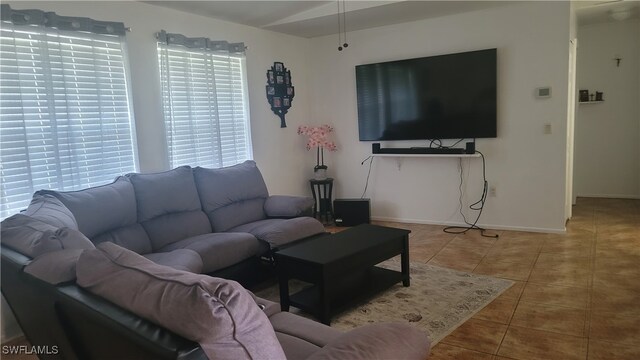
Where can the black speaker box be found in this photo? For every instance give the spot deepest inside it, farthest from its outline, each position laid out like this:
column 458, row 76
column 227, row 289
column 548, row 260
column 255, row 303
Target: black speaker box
column 352, row 212
column 471, row 147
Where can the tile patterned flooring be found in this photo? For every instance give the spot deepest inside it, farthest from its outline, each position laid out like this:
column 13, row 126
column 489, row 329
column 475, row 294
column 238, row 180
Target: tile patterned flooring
column 576, row 296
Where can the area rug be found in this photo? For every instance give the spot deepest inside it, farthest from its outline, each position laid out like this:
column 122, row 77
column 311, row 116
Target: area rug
column 438, row 300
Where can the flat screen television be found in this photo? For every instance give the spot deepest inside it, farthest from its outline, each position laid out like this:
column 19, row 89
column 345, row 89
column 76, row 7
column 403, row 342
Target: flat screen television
column 439, row 97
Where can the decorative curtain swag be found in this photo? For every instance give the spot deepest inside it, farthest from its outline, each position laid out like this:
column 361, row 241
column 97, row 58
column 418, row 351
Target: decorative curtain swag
column 200, row 43
column 53, row 20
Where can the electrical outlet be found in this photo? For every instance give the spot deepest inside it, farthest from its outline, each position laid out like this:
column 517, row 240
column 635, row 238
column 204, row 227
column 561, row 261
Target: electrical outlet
column 492, row 191
column 547, row 128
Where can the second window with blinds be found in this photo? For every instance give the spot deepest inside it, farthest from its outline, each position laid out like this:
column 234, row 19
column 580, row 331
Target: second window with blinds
column 205, row 101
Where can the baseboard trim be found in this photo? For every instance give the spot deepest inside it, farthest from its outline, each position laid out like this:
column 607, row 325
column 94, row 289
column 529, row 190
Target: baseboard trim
column 611, row 196
column 486, row 226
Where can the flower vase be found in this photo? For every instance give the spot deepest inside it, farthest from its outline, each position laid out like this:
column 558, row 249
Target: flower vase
column 320, row 172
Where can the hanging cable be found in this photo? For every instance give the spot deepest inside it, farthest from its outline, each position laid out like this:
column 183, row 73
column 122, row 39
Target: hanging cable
column 477, row 206
column 366, row 184
column 344, row 22
column 339, row 28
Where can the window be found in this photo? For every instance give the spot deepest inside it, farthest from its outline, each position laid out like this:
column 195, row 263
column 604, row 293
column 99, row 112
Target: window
column 205, row 105
column 65, row 120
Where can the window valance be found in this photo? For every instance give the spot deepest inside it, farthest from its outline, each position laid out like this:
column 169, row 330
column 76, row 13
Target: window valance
column 53, row 20
column 202, row 43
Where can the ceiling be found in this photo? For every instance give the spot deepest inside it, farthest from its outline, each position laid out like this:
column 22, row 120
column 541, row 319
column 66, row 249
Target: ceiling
column 594, row 12
column 318, row 18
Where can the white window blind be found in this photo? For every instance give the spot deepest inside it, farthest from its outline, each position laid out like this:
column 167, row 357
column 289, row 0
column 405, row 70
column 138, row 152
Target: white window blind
column 205, row 107
column 65, row 119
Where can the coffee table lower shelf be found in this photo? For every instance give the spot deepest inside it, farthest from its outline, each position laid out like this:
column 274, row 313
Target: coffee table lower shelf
column 346, row 293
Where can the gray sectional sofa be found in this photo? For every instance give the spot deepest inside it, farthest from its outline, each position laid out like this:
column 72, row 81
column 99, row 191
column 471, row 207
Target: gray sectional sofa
column 199, row 220
column 73, row 264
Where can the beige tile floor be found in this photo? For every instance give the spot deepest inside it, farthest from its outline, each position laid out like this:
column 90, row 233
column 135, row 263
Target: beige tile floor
column 576, row 295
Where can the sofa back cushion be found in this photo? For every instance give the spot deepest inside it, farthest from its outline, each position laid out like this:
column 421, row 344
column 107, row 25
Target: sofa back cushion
column 132, row 237
column 48, row 209
column 219, row 314
column 232, row 196
column 32, row 237
column 54, row 251
column 168, row 206
column 103, row 211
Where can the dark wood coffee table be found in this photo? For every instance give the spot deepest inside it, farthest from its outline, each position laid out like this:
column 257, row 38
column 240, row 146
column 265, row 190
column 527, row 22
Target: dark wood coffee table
column 341, row 268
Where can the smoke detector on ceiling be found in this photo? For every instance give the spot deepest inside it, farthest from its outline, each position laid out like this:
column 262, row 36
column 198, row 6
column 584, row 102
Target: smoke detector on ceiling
column 620, row 14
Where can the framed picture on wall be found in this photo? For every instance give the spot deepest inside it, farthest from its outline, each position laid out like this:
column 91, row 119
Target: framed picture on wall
column 280, row 90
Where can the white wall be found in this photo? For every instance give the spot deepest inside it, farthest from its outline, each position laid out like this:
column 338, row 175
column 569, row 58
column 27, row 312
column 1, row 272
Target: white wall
column 526, row 166
column 607, row 154
column 278, row 152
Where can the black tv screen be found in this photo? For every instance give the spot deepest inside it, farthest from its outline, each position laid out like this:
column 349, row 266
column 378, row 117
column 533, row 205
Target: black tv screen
column 439, row 97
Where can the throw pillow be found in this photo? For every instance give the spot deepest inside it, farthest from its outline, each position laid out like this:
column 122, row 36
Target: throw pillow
column 219, row 314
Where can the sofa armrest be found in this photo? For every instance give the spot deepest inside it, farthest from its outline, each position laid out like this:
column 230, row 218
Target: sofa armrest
column 101, row 330
column 377, row 341
column 282, row 206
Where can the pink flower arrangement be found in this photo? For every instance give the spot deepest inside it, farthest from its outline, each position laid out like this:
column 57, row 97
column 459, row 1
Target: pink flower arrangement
column 318, row 138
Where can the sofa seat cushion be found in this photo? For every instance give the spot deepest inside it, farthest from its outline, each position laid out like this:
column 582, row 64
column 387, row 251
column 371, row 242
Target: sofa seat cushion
column 219, row 250
column 378, row 342
column 296, row 348
column 305, row 329
column 181, row 259
column 219, row 314
column 269, row 307
column 278, row 232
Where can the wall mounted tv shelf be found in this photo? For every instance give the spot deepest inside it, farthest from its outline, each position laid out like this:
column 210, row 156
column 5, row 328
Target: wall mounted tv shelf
column 429, row 155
